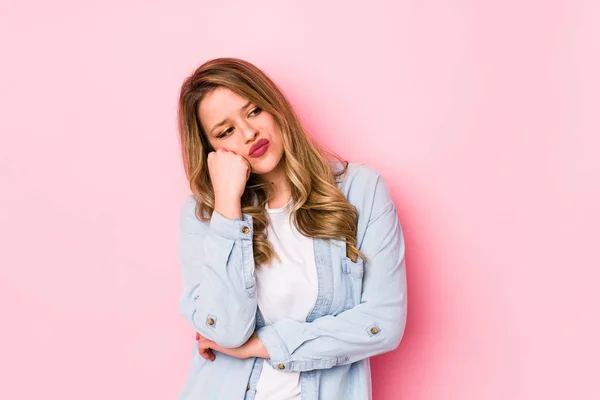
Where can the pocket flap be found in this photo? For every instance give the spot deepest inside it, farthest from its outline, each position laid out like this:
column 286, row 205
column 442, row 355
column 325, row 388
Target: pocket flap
column 350, row 267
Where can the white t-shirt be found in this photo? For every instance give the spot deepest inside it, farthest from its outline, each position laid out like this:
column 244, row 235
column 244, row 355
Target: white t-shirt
column 285, row 290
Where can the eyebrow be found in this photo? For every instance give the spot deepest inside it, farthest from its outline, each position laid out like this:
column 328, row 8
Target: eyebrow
column 225, row 120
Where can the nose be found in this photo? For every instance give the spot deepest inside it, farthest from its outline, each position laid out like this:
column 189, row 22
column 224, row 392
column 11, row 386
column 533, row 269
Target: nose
column 250, row 132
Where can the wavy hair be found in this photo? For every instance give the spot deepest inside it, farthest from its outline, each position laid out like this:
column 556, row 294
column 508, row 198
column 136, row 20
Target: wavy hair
column 319, row 209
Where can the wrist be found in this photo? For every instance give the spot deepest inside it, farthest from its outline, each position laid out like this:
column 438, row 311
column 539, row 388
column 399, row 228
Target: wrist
column 230, row 209
column 258, row 348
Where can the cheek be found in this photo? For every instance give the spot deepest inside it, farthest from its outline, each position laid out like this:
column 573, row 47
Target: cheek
column 276, row 133
column 212, row 145
column 234, row 147
column 270, row 123
column 228, row 145
column 279, row 137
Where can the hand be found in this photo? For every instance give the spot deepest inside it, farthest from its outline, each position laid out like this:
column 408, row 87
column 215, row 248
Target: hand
column 229, row 173
column 204, row 347
column 252, row 348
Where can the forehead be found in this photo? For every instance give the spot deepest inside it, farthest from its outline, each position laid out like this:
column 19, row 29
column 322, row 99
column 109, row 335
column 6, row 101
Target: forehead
column 218, row 104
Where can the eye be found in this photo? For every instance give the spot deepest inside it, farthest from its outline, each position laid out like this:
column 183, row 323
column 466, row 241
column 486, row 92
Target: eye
column 256, row 111
column 224, row 133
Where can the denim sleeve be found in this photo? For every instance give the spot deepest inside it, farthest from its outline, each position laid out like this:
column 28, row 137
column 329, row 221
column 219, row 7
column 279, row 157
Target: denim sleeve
column 217, row 270
column 374, row 326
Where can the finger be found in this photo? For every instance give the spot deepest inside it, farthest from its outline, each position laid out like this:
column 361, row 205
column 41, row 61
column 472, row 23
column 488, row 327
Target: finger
column 197, row 336
column 206, row 354
column 202, row 350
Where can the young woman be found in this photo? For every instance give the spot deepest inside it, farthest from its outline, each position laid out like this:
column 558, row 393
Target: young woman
column 292, row 260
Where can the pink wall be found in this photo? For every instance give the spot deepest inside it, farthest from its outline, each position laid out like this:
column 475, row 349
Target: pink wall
column 483, row 116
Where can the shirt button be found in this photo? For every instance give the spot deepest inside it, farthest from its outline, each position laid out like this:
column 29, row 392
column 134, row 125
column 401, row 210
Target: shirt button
column 374, row 331
column 245, row 229
column 210, row 321
column 247, row 387
column 281, row 366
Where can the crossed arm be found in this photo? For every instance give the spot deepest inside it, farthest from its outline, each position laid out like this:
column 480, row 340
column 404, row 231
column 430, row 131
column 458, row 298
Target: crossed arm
column 220, row 287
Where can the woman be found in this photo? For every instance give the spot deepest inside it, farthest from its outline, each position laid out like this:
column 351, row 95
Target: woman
column 292, row 262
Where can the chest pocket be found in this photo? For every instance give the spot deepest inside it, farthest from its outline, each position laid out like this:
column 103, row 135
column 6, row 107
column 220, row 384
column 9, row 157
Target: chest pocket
column 352, row 276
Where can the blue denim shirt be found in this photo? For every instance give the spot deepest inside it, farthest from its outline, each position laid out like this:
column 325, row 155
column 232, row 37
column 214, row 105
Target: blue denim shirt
column 360, row 309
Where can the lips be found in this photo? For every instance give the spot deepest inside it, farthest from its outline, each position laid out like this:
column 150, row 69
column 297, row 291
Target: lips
column 258, row 145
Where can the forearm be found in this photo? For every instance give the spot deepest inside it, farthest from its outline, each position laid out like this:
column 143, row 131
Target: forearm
column 219, row 311
column 360, row 332
column 218, row 287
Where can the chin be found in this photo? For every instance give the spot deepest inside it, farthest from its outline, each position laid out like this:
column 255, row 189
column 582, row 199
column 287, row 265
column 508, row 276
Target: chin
column 261, row 171
column 264, row 166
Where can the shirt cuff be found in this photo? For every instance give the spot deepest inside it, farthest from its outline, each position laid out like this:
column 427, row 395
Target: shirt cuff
column 231, row 228
column 278, row 353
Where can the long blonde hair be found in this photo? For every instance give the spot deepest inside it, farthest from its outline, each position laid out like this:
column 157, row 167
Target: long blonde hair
column 319, row 207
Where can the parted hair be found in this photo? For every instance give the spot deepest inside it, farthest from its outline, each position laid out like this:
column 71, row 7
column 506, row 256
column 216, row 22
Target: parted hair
column 319, row 208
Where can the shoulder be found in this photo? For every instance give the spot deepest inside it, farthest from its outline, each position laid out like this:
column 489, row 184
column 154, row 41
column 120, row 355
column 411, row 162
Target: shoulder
column 188, row 207
column 364, row 187
column 356, row 173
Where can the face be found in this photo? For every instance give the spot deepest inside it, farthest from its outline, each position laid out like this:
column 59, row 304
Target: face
column 233, row 123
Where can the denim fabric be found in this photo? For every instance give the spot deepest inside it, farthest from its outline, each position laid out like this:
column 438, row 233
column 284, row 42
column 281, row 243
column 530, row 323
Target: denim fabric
column 360, row 309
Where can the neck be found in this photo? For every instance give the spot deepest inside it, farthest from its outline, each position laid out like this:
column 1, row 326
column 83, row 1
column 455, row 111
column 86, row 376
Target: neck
column 280, row 185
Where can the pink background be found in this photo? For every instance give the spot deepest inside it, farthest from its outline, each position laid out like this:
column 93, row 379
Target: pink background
column 483, row 117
